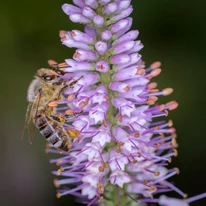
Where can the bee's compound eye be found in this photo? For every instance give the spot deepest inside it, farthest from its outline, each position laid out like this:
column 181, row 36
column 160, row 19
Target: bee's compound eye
column 48, row 77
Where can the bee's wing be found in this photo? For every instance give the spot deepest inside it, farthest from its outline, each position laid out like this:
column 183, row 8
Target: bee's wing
column 30, row 118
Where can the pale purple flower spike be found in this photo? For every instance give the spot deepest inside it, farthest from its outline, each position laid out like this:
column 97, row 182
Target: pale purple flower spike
column 120, row 152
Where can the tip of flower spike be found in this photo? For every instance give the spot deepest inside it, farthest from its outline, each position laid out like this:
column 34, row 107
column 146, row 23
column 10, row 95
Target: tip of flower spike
column 167, row 91
column 155, row 65
column 59, row 195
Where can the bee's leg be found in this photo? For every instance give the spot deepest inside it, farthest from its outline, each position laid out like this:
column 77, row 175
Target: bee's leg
column 74, row 82
column 62, row 119
column 57, row 118
column 68, row 117
column 64, row 88
column 61, row 91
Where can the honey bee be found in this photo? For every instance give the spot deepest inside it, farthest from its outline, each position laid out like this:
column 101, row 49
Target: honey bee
column 46, row 88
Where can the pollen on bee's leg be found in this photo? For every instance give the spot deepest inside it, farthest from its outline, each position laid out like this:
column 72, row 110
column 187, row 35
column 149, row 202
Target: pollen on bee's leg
column 73, row 133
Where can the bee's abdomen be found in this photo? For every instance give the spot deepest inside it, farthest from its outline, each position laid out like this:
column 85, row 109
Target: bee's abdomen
column 53, row 132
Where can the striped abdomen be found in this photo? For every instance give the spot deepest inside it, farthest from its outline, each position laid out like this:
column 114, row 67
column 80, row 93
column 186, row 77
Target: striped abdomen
column 53, row 132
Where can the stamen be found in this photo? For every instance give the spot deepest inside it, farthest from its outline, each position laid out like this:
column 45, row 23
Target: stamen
column 59, row 195
column 195, row 198
column 172, row 105
column 53, row 104
column 155, row 65
column 51, row 62
column 175, row 189
column 71, row 97
column 167, row 91
column 152, row 85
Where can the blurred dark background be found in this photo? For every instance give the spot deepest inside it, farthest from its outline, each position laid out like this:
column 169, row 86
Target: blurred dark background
column 173, row 32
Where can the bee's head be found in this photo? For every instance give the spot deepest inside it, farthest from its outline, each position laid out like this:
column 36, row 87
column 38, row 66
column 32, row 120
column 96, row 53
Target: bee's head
column 47, row 76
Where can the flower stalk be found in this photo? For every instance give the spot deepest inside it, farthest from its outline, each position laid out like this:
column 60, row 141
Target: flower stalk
column 122, row 150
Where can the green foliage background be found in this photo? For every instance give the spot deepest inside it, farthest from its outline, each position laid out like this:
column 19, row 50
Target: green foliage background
column 173, row 32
